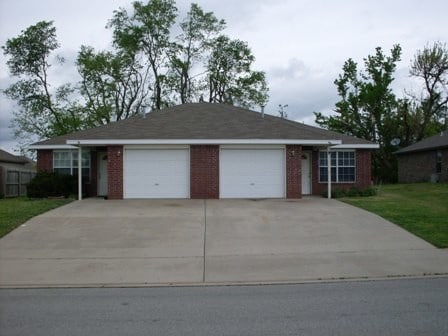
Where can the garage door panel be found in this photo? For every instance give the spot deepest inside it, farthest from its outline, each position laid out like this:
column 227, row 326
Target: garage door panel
column 156, row 173
column 249, row 173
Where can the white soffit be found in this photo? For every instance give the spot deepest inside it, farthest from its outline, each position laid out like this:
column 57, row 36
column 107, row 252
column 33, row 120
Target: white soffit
column 356, row 146
column 203, row 141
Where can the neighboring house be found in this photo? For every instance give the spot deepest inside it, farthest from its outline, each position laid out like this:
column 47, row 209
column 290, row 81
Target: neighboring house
column 207, row 150
column 424, row 161
column 15, row 173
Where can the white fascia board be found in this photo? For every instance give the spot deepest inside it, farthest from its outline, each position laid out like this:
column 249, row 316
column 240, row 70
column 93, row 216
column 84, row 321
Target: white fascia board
column 356, row 146
column 203, row 141
column 51, row 147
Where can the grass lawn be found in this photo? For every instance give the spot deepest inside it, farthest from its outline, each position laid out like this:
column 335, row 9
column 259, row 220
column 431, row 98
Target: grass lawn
column 16, row 211
column 420, row 208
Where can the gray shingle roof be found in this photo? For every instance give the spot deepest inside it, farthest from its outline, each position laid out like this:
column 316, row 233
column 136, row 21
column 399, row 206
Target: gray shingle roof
column 204, row 121
column 8, row 157
column 440, row 140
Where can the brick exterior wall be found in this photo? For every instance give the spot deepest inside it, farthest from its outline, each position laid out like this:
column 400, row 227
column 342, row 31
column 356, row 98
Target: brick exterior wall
column 115, row 172
column 204, row 171
column 363, row 173
column 420, row 166
column 293, row 171
column 363, row 168
column 45, row 160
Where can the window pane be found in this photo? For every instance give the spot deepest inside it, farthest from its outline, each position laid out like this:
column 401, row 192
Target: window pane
column 346, row 174
column 62, row 171
column 333, row 158
column 61, row 159
column 85, row 159
column 342, row 166
column 85, row 172
column 341, row 158
column 323, row 174
column 66, row 162
column 322, row 158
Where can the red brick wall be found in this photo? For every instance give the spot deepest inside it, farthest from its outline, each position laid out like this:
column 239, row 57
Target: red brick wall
column 363, row 168
column 115, row 172
column 293, row 171
column 363, row 173
column 45, row 160
column 204, row 171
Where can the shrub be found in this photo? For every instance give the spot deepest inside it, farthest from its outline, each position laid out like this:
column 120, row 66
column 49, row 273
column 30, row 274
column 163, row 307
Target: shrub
column 335, row 193
column 371, row 191
column 352, row 192
column 46, row 184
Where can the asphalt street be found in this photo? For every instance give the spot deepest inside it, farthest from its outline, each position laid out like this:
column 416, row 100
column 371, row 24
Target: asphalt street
column 390, row 307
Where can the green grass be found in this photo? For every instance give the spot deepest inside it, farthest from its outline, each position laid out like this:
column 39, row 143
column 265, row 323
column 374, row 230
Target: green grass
column 420, row 208
column 16, row 211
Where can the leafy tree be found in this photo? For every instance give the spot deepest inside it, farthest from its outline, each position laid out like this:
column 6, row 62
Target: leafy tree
column 147, row 68
column 192, row 47
column 43, row 111
column 114, row 85
column 230, row 76
column 431, row 66
column 368, row 107
column 146, row 31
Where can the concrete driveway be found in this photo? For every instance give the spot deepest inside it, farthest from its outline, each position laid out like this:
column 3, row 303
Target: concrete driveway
column 140, row 242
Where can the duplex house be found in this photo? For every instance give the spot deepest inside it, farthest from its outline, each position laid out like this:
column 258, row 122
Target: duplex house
column 203, row 150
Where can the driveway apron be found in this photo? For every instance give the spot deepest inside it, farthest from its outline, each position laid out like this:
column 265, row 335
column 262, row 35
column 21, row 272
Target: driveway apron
column 95, row 242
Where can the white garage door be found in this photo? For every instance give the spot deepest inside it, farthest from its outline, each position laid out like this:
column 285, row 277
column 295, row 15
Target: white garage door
column 156, row 173
column 252, row 173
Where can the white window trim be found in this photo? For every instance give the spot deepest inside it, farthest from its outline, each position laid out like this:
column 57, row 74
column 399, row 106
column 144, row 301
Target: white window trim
column 337, row 166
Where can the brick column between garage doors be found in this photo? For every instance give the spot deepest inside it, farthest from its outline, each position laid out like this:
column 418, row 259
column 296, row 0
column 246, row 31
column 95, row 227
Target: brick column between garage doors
column 293, row 171
column 115, row 172
column 204, row 171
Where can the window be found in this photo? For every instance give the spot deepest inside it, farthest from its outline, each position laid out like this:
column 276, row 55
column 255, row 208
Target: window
column 342, row 166
column 66, row 162
column 439, row 162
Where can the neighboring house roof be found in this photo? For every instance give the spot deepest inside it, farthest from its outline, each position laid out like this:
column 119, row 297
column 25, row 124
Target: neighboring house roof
column 10, row 158
column 201, row 121
column 440, row 140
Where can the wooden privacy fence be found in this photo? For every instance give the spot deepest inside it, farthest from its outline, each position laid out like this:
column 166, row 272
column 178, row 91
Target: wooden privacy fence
column 14, row 182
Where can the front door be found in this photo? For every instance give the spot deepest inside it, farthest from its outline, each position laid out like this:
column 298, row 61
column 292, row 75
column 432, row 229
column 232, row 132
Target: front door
column 102, row 174
column 306, row 173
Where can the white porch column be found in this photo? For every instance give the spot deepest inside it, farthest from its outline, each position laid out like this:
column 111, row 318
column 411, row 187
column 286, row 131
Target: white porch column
column 329, row 172
column 79, row 173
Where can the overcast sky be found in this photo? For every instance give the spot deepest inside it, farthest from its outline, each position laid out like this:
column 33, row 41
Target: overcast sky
column 301, row 45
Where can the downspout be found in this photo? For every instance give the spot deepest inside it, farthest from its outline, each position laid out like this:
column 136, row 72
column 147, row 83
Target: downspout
column 79, row 172
column 329, row 172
